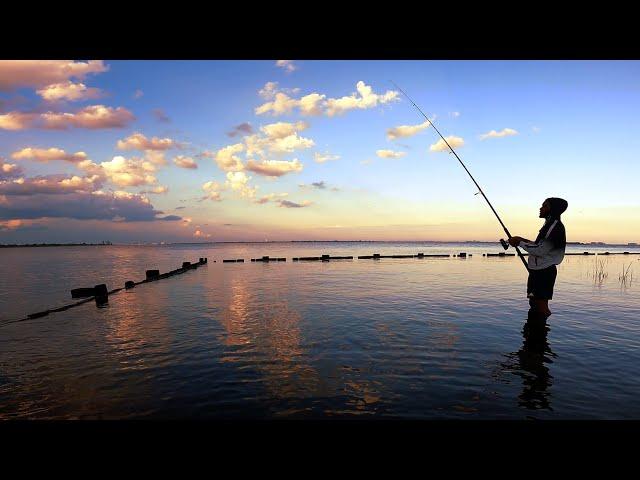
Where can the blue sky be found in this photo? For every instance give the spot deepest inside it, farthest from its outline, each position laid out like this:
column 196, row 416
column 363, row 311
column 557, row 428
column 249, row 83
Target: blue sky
column 573, row 128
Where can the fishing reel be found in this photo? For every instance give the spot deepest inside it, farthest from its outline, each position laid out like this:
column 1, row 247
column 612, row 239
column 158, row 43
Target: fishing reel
column 505, row 245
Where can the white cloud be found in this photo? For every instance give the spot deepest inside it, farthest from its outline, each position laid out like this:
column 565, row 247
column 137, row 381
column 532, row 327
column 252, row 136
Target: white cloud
column 406, row 130
column 68, row 91
column 441, row 146
column 185, row 162
column 239, row 182
column 288, row 65
column 454, row 114
column 536, row 129
column 365, row 162
column 366, row 99
column 17, row 120
column 47, row 155
column 227, row 159
column 504, row 133
column 280, row 105
column 283, row 129
column 321, row 158
column 390, row 154
column 123, row 172
column 213, row 190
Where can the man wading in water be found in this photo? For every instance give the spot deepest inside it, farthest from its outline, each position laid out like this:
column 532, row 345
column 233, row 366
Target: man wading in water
column 544, row 254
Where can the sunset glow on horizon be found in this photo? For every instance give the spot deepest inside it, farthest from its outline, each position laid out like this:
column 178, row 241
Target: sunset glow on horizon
column 201, row 151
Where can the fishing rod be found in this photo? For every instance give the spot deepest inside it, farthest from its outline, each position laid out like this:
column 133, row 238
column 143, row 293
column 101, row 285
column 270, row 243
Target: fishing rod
column 505, row 245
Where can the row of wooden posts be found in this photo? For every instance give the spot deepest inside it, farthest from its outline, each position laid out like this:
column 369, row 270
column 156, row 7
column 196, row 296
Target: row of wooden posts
column 375, row 256
column 100, row 293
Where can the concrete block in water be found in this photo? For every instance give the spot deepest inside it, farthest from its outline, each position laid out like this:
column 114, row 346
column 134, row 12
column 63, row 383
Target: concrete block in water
column 462, row 255
column 229, row 261
column 240, row 260
column 152, row 274
column 186, row 265
column 129, row 284
column 82, row 292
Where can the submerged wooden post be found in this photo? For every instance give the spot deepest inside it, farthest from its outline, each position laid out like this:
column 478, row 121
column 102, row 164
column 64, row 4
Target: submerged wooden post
column 129, row 284
column 101, row 294
column 186, row 265
column 152, row 274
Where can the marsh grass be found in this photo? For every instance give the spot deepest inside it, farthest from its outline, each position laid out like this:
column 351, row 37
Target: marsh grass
column 599, row 273
column 626, row 277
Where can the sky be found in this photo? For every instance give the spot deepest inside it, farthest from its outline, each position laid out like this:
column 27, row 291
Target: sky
column 200, row 151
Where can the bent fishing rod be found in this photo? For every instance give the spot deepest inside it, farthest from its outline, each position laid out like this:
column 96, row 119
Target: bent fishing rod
column 505, row 245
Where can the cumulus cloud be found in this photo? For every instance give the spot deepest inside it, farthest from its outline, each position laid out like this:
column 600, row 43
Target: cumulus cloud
column 41, row 73
column 213, row 191
column 17, row 120
column 390, row 154
column 506, row 132
column 124, row 172
column 9, row 170
column 50, row 184
column 159, row 190
column 315, row 104
column 279, row 130
column 288, row 65
column 288, row 204
column 185, row 162
column 321, row 158
column 242, row 129
column 239, row 182
column 138, row 141
column 92, row 117
column 274, row 168
column 48, row 154
column 227, row 160
column 441, row 146
column 115, row 206
column 406, row 130
column 70, row 91
column 364, row 98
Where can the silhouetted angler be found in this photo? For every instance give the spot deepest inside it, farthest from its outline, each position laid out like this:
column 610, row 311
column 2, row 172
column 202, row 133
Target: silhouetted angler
column 544, row 254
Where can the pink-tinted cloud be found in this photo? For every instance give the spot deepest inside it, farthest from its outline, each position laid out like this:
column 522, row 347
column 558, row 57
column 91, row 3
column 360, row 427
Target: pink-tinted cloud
column 92, row 117
column 274, row 168
column 289, row 204
column 185, row 162
column 242, row 129
column 138, row 141
column 70, row 91
column 40, row 73
column 50, row 184
column 9, row 170
column 48, row 154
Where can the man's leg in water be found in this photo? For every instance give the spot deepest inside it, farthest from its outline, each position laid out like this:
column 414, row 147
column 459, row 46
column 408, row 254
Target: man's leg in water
column 542, row 306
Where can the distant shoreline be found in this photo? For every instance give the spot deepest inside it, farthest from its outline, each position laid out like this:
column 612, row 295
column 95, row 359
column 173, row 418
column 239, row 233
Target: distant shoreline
column 34, row 245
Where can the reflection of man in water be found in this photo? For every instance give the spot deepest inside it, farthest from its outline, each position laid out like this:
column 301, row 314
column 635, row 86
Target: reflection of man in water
column 529, row 364
column 544, row 254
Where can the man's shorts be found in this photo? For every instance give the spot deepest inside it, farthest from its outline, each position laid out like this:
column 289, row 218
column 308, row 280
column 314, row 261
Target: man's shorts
column 541, row 282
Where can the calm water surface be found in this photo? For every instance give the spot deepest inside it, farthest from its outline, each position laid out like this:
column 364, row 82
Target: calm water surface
column 400, row 338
